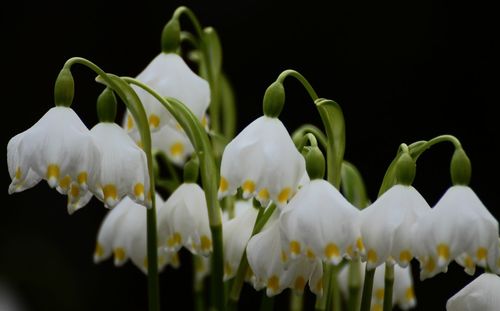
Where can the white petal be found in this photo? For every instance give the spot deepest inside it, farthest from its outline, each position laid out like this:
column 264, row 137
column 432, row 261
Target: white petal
column 480, row 294
column 173, row 143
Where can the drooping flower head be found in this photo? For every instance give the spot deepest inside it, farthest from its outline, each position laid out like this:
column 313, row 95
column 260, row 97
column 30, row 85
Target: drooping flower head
column 263, row 161
column 59, row 149
column 170, row 76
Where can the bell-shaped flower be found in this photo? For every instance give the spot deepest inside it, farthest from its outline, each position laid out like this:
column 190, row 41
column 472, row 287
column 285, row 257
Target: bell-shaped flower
column 386, row 225
column 458, row 227
column 170, row 76
column 480, row 294
column 237, row 231
column 403, row 291
column 59, row 149
column 123, row 166
column 319, row 222
column 183, row 221
column 123, row 233
column 267, row 263
column 263, row 160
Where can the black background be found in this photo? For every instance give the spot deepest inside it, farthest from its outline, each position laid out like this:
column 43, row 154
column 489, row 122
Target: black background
column 401, row 70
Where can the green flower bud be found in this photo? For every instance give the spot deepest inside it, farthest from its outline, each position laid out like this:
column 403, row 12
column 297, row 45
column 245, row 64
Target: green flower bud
column 64, row 88
column 460, row 168
column 405, row 169
column 191, row 169
column 106, row 106
column 274, row 99
column 171, row 36
column 315, row 163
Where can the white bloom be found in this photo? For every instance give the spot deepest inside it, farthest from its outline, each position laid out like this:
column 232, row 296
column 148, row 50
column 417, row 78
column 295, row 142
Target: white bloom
column 386, row 225
column 170, row 76
column 320, row 223
column 183, row 221
column 124, row 233
column 123, row 166
column 59, row 149
column 263, row 160
column 266, row 261
column 480, row 294
column 403, row 292
column 237, row 232
column 458, row 227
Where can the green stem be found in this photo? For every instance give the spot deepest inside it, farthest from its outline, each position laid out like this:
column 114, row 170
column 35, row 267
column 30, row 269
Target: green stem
column 296, row 301
column 416, row 149
column 366, row 299
column 209, row 179
column 133, row 103
column 388, row 287
column 354, row 281
column 334, row 299
column 309, row 128
column 260, row 222
column 301, row 79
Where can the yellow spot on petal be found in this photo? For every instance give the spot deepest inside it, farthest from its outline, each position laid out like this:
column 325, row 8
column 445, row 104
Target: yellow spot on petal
column 405, row 256
column 299, row 284
column 372, row 256
column 176, row 149
column 295, row 247
column 359, row 244
column 174, row 240
column 443, row 251
column 263, row 194
column 284, row 256
column 409, row 294
column 109, row 191
column 139, row 190
column 223, row 184
column 64, row 182
column 379, row 293
column 139, row 144
column 468, row 262
column 332, row 251
column 154, row 121
column 349, row 251
column 430, row 264
column 175, row 260
column 82, row 178
column 284, row 195
column 206, row 243
column 310, row 254
column 248, row 186
column 228, row 270
column 53, row 171
column 119, row 254
column 204, row 121
column 273, row 283
column 319, row 286
column 130, row 122
column 99, row 250
column 377, row 307
column 74, row 191
column 481, row 253
column 18, row 173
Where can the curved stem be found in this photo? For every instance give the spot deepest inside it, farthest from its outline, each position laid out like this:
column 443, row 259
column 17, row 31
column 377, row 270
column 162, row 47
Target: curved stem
column 309, row 128
column 133, row 103
column 308, row 137
column 209, row 178
column 182, row 10
column 301, row 79
column 416, row 149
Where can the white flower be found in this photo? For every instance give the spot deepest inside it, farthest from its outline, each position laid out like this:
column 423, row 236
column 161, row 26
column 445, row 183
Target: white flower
column 237, row 232
column 123, row 166
column 319, row 222
column 124, row 233
column 267, row 263
column 458, row 227
column 386, row 225
column 59, row 149
column 480, row 294
column 183, row 221
column 403, row 292
column 263, row 160
column 170, row 76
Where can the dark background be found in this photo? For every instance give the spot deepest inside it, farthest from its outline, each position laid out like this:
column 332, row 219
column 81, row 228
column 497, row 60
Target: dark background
column 401, row 70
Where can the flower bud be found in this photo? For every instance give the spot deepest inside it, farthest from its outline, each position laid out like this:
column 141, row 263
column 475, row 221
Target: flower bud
column 405, row 170
column 106, row 106
column 315, row 163
column 460, row 168
column 64, row 88
column 171, row 36
column 274, row 99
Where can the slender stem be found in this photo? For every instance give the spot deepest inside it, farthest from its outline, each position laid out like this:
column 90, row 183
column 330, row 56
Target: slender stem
column 296, row 301
column 309, row 128
column 301, row 79
column 335, row 299
column 388, row 287
column 366, row 298
column 209, row 179
column 133, row 103
column 354, row 280
column 418, row 148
